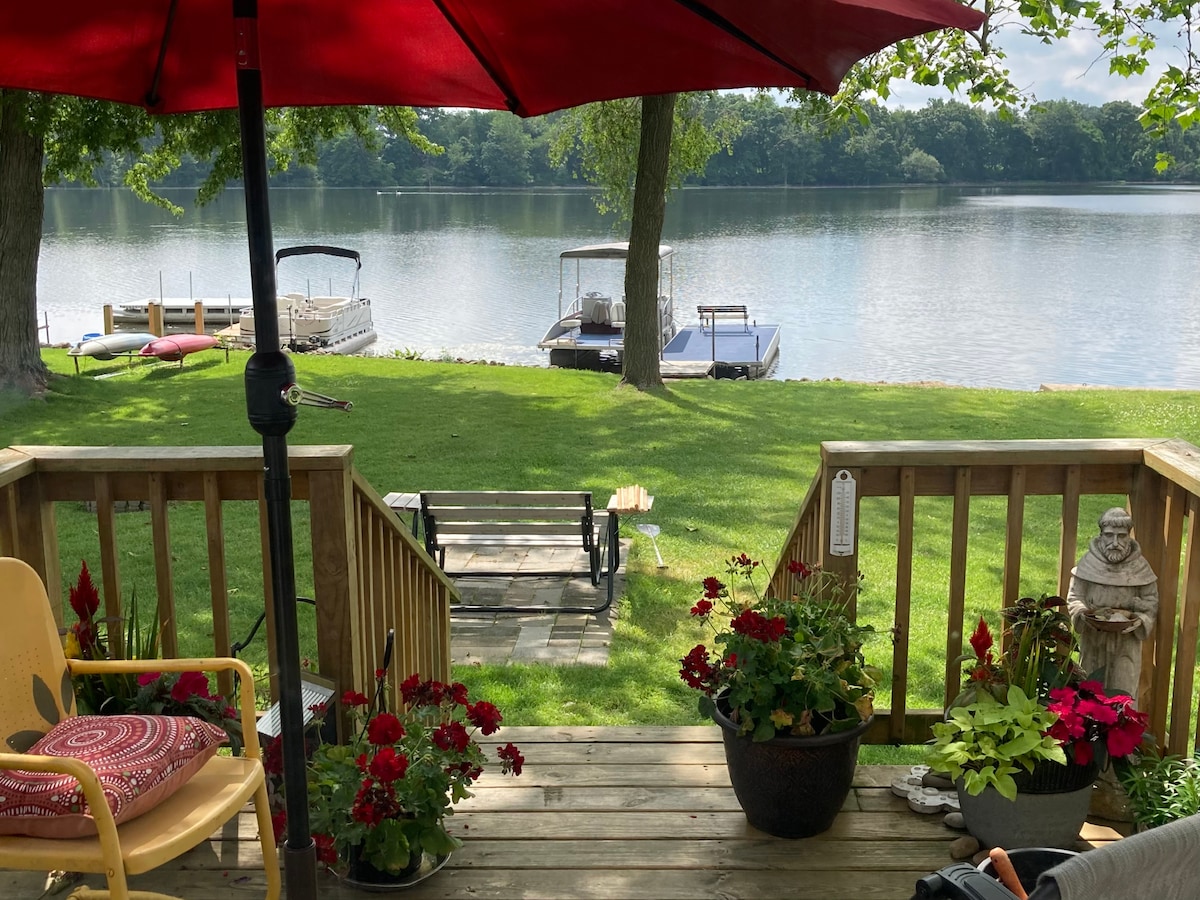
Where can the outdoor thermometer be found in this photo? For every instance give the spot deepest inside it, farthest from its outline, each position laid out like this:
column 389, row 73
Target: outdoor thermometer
column 841, row 514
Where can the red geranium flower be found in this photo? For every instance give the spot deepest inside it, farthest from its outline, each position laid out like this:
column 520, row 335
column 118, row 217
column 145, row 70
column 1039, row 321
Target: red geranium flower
column 712, row 588
column 452, row 736
column 484, row 716
column 702, row 608
column 326, row 851
column 385, row 728
column 388, row 765
column 355, row 699
column 796, row 567
column 511, row 759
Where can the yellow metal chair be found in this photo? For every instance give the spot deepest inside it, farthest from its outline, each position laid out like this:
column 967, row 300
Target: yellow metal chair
column 30, row 650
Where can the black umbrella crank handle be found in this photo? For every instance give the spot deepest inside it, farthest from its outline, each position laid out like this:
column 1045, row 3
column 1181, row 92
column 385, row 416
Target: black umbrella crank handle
column 294, row 395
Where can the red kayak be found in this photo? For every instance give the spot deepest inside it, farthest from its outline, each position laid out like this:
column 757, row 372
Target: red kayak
column 176, row 346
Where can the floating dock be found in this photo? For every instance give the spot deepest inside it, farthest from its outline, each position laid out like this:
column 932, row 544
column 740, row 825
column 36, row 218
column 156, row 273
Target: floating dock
column 726, row 344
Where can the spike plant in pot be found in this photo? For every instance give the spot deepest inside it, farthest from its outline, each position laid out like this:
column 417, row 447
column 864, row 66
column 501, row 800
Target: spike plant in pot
column 787, row 683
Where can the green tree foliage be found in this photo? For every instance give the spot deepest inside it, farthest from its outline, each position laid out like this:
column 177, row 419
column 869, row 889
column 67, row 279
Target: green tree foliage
column 46, row 139
column 974, row 64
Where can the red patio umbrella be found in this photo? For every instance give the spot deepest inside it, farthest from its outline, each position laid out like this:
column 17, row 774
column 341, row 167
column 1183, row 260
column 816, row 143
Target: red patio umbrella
column 527, row 56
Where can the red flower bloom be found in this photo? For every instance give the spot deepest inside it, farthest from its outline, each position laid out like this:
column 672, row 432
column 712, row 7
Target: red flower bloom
column 408, row 688
column 1086, row 717
column 272, row 758
column 458, row 694
column 148, row 678
column 796, row 567
column 385, row 728
column 697, row 672
column 484, row 716
column 702, row 608
column 981, row 641
column 388, row 765
column 190, row 684
column 279, row 824
column 452, row 736
column 511, row 759
column 422, row 693
column 355, row 699
column 326, row 851
column 712, row 588
column 373, row 804
column 84, row 597
column 755, row 625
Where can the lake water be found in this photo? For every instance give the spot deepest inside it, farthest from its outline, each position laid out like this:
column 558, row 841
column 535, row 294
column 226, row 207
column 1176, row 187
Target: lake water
column 973, row 286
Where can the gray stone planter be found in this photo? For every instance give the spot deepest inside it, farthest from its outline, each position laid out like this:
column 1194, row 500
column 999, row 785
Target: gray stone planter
column 1032, row 820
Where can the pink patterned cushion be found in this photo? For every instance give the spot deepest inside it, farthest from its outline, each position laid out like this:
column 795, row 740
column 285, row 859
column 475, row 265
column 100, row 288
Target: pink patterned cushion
column 140, row 761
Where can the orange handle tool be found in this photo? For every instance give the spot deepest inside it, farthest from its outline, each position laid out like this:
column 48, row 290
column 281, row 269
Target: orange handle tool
column 1007, row 874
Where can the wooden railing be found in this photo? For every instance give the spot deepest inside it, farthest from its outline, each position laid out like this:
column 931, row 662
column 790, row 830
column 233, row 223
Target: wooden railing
column 366, row 571
column 1159, row 481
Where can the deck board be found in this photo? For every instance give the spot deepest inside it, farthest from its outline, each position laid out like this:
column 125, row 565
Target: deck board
column 640, row 813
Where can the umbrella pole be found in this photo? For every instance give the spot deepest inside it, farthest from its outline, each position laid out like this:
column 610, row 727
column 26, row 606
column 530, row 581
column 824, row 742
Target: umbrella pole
column 268, row 373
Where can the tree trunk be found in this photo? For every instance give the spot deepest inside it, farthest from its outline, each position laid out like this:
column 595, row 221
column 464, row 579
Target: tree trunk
column 639, row 366
column 22, row 197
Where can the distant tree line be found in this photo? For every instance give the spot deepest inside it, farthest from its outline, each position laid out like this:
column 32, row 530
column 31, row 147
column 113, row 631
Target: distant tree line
column 1056, row 141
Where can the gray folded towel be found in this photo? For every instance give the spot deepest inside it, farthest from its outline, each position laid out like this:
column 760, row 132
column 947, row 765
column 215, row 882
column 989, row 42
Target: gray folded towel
column 1159, row 864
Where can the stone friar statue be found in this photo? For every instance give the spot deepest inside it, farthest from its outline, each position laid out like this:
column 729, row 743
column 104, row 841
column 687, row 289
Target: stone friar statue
column 1114, row 583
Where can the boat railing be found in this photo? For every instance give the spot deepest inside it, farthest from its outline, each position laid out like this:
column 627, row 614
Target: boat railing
column 947, row 506
column 167, row 523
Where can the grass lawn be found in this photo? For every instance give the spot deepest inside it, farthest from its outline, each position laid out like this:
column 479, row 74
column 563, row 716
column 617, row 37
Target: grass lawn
column 728, row 463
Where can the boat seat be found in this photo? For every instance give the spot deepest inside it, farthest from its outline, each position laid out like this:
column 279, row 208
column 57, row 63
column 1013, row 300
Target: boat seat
column 588, row 307
column 617, row 314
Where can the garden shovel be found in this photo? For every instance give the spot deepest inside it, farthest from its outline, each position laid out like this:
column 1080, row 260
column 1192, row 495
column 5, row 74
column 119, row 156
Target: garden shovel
column 651, row 531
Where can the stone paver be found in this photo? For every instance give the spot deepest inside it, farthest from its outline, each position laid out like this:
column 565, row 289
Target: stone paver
column 568, row 638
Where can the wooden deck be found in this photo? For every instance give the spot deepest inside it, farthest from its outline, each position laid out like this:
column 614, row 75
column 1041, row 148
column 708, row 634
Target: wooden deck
column 636, row 813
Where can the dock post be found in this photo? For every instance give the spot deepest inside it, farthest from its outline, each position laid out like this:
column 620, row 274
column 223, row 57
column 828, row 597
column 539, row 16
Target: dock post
column 199, row 317
column 108, row 319
column 154, row 318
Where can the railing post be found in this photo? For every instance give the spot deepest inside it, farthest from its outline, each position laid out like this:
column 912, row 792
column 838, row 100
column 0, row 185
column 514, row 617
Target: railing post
column 36, row 538
column 959, row 533
column 901, row 626
column 1147, row 506
column 1013, row 537
column 335, row 576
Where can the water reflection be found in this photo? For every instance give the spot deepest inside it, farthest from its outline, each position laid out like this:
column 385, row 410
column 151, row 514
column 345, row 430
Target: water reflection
column 979, row 286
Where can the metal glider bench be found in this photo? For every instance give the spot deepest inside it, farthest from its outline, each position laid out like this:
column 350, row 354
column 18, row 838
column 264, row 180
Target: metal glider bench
column 518, row 520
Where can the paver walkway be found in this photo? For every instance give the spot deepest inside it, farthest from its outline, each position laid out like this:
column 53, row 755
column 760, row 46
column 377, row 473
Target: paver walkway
column 551, row 638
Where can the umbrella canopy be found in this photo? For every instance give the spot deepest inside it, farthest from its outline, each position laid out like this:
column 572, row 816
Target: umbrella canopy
column 528, row 56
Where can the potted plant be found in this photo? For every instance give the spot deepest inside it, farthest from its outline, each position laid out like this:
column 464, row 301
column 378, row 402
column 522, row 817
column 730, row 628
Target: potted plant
column 787, row 683
column 1024, row 768
column 151, row 693
column 378, row 803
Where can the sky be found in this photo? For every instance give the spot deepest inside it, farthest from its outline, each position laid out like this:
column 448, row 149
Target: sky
column 1070, row 69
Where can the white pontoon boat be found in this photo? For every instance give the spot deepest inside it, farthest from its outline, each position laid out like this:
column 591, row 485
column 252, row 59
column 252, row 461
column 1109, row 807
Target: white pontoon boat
column 333, row 324
column 589, row 332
